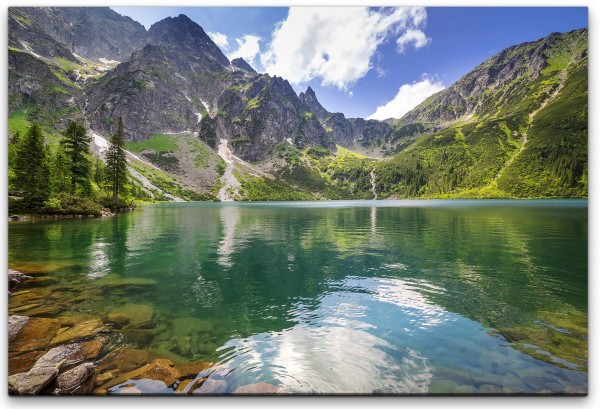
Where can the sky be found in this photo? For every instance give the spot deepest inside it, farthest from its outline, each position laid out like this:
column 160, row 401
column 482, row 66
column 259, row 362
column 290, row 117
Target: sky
column 369, row 62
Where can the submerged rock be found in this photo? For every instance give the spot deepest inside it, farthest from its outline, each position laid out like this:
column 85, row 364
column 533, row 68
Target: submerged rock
column 192, row 369
column 74, row 380
column 34, row 335
column 23, row 362
column 138, row 315
column 118, row 320
column 158, row 370
column 83, row 330
column 258, row 389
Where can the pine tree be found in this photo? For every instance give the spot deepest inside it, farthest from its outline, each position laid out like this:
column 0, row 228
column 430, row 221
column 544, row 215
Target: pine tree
column 99, row 168
column 116, row 165
column 32, row 172
column 76, row 145
column 60, row 171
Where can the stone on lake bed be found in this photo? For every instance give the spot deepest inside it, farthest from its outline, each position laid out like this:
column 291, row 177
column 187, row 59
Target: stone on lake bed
column 31, row 382
column 73, row 379
column 125, row 282
column 16, row 278
column 139, row 337
column 159, row 370
column 23, row 308
column 83, row 330
column 139, row 315
column 119, row 320
column 189, row 325
column 192, row 368
column 34, row 335
column 441, row 386
column 123, row 360
column 23, row 362
column 261, row 388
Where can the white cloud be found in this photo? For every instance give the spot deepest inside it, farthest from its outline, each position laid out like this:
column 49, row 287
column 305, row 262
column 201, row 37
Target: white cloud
column 248, row 48
column 408, row 97
column 220, row 39
column 335, row 44
column 412, row 36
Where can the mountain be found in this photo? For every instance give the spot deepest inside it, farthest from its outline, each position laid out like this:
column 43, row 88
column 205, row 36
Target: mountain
column 200, row 126
column 354, row 133
column 514, row 126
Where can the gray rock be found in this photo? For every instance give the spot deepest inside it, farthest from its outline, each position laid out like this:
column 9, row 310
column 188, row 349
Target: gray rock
column 31, row 382
column 212, row 386
column 16, row 278
column 69, row 381
column 15, row 323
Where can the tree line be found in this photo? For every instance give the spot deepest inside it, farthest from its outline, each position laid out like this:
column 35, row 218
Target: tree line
column 64, row 179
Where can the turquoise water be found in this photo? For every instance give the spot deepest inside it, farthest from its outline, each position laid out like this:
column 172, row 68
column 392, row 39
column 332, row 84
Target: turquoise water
column 343, row 297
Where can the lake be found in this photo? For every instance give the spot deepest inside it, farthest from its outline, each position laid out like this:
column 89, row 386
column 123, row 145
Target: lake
column 405, row 297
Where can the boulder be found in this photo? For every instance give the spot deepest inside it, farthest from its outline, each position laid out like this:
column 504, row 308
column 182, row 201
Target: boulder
column 15, row 323
column 31, row 382
column 16, row 278
column 75, row 380
column 65, row 356
column 192, row 369
column 258, row 389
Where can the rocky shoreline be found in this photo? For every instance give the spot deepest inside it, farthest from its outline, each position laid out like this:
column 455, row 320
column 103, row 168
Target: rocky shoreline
column 78, row 353
column 21, row 218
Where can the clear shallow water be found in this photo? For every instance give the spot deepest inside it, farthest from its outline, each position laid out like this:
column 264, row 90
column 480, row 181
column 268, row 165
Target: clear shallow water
column 343, row 297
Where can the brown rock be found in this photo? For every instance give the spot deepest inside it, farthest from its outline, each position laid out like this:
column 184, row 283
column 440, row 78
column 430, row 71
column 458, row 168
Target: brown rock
column 34, row 335
column 258, row 389
column 23, row 308
column 119, row 320
column 73, row 380
column 87, row 329
column 104, row 377
column 159, row 369
column 23, row 362
column 15, row 323
column 139, row 337
column 192, row 369
column 69, row 320
column 69, row 355
column 123, row 360
column 31, row 382
column 181, row 388
column 139, row 315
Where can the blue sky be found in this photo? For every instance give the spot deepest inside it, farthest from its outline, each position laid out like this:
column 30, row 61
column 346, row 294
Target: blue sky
column 369, row 62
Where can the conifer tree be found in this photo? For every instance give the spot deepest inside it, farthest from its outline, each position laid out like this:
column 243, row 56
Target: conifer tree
column 60, row 171
column 76, row 145
column 116, row 165
column 32, row 173
column 99, row 168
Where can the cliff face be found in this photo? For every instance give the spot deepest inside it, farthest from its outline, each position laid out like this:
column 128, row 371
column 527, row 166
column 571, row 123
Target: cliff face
column 90, row 32
column 354, row 133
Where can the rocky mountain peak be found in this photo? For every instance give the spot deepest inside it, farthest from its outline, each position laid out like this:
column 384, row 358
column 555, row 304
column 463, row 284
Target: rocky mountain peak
column 182, row 32
column 309, row 98
column 242, row 65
